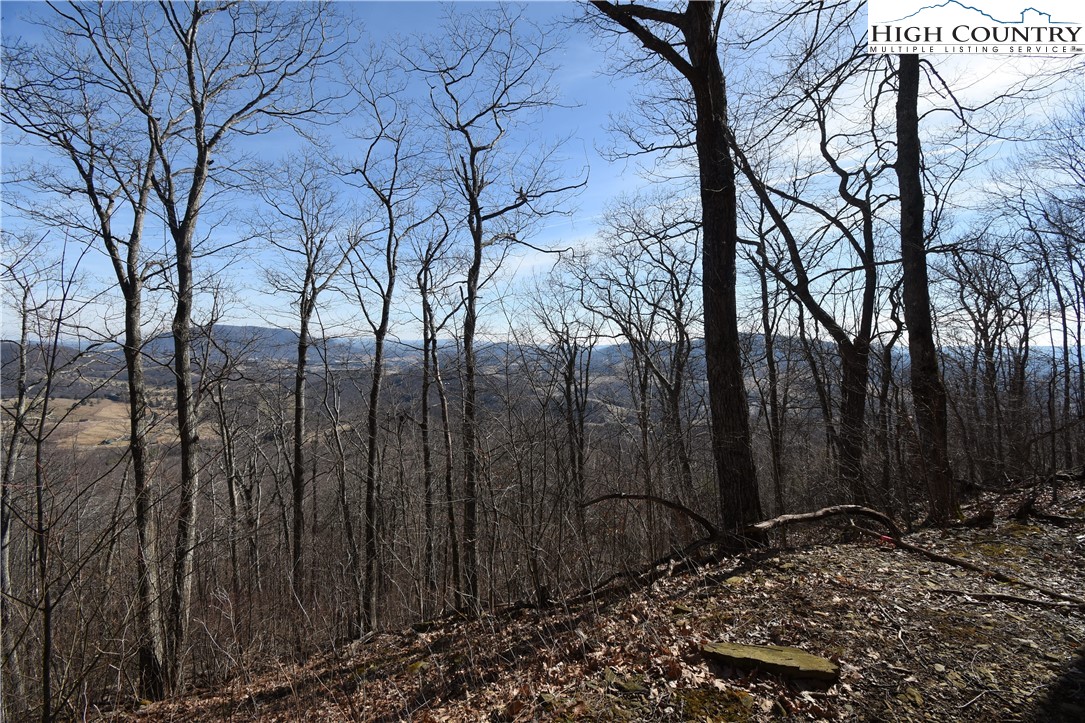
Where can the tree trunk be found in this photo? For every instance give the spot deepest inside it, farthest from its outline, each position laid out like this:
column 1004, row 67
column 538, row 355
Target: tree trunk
column 928, row 393
column 41, row 539
column 774, row 417
column 740, row 503
column 429, row 342
column 297, row 478
column 15, row 700
column 185, row 542
column 470, row 429
column 855, row 363
column 353, row 553
column 449, row 466
column 369, row 606
column 233, row 485
column 151, row 645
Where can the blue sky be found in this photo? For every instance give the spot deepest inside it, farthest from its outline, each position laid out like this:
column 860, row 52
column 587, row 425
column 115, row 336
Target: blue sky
column 588, row 92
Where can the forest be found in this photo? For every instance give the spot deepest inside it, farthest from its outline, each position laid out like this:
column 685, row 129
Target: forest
column 313, row 331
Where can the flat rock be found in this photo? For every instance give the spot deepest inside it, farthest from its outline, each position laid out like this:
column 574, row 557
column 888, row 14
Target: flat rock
column 791, row 662
column 625, row 685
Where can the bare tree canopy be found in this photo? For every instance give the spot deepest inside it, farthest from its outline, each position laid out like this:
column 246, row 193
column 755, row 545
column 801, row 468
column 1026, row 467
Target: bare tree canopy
column 322, row 320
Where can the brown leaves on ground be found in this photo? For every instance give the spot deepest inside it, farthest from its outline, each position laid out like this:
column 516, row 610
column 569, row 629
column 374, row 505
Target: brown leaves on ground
column 915, row 640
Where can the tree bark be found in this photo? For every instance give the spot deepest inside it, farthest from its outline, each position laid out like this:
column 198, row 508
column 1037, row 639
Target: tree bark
column 187, row 419
column 739, row 496
column 928, row 392
column 151, row 645
column 470, row 424
column 297, row 477
column 10, row 652
column 449, row 468
column 429, row 364
column 740, row 502
column 369, row 607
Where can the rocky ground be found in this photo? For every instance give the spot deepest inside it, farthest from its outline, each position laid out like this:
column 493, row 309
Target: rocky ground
column 912, row 639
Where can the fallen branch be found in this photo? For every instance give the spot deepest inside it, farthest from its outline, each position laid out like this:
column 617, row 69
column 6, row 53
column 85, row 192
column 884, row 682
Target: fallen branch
column 760, row 527
column 1058, row 605
column 1028, row 509
column 985, row 571
column 1058, row 520
column 678, row 561
column 850, row 510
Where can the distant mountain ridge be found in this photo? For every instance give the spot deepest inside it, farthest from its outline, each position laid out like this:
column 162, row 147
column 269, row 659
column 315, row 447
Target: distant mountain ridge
column 276, row 342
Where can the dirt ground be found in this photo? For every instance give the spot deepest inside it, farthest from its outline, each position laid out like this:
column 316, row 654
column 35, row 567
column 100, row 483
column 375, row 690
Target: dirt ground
column 914, row 639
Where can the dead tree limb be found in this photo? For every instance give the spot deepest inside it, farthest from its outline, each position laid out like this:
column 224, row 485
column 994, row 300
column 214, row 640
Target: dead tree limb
column 894, row 535
column 1027, row 509
column 1057, row 605
column 760, row 527
column 850, row 510
column 981, row 569
column 713, row 533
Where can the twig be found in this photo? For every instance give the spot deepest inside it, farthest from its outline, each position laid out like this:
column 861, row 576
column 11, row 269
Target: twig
column 982, row 693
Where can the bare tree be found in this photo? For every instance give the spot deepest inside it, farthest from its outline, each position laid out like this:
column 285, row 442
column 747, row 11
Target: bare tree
column 236, row 460
column 51, row 95
column 689, row 42
column 572, row 332
column 48, row 300
column 997, row 289
column 553, row 360
column 336, row 438
column 314, row 248
column 390, row 174
column 928, row 391
column 643, row 284
column 431, row 279
column 20, row 274
column 434, row 280
column 179, row 70
column 771, row 397
column 488, row 75
column 805, row 242
column 1048, row 207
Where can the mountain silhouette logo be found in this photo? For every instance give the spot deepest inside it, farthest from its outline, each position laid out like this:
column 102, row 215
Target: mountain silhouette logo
column 1010, row 27
column 1026, row 16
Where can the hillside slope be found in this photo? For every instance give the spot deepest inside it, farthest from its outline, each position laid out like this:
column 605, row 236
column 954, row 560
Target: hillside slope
column 914, row 640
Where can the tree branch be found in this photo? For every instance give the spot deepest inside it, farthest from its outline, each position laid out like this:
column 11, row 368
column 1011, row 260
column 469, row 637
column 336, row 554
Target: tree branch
column 713, row 533
column 626, row 16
